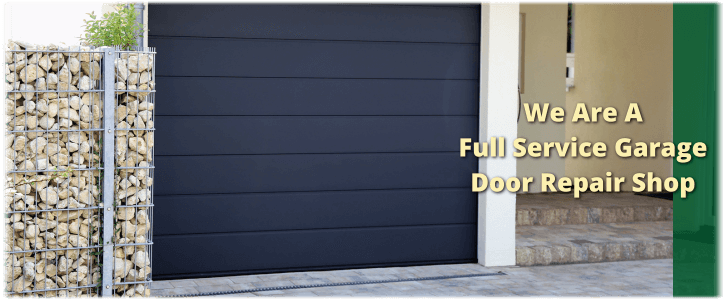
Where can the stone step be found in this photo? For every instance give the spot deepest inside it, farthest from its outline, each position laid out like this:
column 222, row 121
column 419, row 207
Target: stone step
column 545, row 209
column 589, row 243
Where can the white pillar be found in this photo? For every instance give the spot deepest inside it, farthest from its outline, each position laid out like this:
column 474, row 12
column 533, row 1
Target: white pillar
column 498, row 108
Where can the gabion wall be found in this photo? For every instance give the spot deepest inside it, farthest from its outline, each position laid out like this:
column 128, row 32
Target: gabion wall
column 54, row 196
column 133, row 176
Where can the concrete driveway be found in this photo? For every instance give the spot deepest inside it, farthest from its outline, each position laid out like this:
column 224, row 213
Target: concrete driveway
column 626, row 278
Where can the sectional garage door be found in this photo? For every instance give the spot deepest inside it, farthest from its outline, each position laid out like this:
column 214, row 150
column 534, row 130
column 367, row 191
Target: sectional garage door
column 295, row 137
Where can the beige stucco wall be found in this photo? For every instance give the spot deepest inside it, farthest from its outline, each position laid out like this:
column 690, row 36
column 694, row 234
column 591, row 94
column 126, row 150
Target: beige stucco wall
column 624, row 53
column 545, row 47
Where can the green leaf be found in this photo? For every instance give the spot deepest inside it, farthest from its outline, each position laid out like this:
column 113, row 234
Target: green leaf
column 117, row 28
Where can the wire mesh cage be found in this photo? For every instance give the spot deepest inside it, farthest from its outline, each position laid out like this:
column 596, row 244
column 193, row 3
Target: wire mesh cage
column 54, row 116
column 134, row 170
column 79, row 165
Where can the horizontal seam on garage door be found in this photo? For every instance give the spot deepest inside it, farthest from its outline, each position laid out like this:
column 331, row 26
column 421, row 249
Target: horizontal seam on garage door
column 315, row 153
column 431, row 6
column 461, row 5
column 318, row 191
column 312, row 40
column 159, row 115
column 300, row 77
column 157, row 235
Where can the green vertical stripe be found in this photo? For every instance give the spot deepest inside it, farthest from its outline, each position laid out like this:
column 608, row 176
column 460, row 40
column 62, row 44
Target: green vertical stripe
column 695, row 119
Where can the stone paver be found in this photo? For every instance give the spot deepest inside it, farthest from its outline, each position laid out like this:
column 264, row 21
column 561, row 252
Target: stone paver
column 627, row 278
column 561, row 244
column 546, row 209
column 596, row 233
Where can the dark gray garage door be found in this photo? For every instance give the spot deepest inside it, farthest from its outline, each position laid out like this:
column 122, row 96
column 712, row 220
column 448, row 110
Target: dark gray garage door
column 313, row 137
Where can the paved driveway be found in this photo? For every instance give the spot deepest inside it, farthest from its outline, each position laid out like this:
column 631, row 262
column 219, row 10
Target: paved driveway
column 627, row 278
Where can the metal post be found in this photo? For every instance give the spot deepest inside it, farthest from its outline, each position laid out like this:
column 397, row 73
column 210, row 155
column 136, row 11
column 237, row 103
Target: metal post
column 109, row 105
column 139, row 8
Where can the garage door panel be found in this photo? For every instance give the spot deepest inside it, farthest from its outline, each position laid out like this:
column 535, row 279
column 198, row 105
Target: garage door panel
column 332, row 22
column 314, row 96
column 326, row 134
column 238, row 253
column 313, row 137
column 319, row 59
column 310, row 172
column 312, row 210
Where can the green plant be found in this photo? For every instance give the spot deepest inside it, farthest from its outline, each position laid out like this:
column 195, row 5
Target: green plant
column 117, row 28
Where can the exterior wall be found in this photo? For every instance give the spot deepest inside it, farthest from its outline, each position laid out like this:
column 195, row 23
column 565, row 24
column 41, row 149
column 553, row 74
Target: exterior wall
column 6, row 22
column 624, row 54
column 545, row 47
column 45, row 27
column 497, row 117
